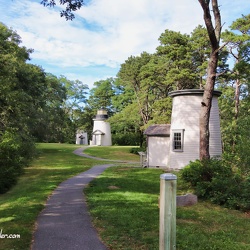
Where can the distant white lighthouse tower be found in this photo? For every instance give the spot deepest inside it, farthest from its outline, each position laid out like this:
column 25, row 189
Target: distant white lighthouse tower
column 101, row 135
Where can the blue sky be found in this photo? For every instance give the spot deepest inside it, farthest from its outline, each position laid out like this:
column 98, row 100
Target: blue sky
column 104, row 33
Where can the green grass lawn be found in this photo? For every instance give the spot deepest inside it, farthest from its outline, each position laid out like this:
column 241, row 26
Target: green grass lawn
column 113, row 153
column 124, row 206
column 123, row 202
column 20, row 207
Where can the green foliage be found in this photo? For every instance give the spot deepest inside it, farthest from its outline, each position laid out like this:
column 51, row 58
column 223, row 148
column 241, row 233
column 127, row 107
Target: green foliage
column 32, row 105
column 126, row 126
column 180, row 62
column 176, row 53
column 126, row 139
column 137, row 150
column 21, row 96
column 215, row 180
column 67, row 11
column 234, row 103
column 129, row 77
column 101, row 95
column 84, row 120
column 204, row 171
column 16, row 152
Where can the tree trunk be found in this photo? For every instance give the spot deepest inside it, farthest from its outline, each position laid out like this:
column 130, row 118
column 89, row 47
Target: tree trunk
column 237, row 98
column 236, row 113
column 206, row 105
column 214, row 37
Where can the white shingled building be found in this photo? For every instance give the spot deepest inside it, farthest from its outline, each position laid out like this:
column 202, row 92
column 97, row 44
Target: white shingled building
column 181, row 141
column 157, row 145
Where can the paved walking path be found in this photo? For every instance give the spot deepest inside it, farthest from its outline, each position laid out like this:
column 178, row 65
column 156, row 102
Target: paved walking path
column 79, row 152
column 65, row 223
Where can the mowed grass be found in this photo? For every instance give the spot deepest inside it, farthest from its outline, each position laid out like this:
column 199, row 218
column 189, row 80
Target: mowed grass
column 124, row 205
column 20, row 207
column 113, row 153
column 123, row 202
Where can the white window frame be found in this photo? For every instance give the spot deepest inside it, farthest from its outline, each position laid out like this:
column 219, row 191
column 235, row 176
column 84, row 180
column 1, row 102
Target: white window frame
column 178, row 139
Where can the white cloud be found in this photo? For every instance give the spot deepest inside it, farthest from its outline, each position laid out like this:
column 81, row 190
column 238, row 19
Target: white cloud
column 105, row 32
column 125, row 28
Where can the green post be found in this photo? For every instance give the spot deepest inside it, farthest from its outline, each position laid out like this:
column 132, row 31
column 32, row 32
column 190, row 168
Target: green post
column 167, row 212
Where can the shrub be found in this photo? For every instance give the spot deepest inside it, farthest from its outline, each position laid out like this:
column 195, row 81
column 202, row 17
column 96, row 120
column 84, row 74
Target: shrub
column 128, row 139
column 214, row 180
column 16, row 151
column 136, row 150
column 204, row 171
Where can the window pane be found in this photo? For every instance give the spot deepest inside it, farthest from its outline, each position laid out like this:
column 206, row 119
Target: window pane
column 177, row 141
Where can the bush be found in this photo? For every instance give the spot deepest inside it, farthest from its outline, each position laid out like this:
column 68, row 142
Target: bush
column 128, row 139
column 136, row 150
column 214, row 180
column 16, row 151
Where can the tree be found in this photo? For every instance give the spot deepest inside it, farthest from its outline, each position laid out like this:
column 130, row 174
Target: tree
column 58, row 119
column 84, row 119
column 214, row 33
column 235, row 102
column 76, row 93
column 101, row 95
column 175, row 56
column 200, row 46
column 129, row 77
column 238, row 44
column 52, row 119
column 123, row 95
column 21, row 89
column 71, row 5
column 22, row 84
column 126, row 126
column 178, row 63
column 74, row 103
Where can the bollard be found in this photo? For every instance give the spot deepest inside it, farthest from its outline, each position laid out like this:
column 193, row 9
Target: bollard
column 167, row 235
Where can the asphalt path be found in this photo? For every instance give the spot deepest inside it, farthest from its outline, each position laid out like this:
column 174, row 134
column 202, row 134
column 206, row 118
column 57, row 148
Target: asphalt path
column 65, row 222
column 80, row 152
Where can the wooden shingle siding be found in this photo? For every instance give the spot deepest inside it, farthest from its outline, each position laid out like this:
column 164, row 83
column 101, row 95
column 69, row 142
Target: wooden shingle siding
column 185, row 115
column 215, row 143
column 158, row 151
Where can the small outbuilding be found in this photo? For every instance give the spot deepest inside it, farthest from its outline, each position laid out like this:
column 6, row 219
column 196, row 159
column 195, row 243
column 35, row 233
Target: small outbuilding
column 158, row 137
column 81, row 137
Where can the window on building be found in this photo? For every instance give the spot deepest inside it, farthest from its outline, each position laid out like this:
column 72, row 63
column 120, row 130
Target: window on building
column 178, row 140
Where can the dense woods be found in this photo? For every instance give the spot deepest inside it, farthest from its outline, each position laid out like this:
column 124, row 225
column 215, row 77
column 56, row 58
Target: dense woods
column 37, row 106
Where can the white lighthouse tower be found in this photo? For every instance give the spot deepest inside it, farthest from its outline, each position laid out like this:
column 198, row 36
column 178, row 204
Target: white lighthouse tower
column 101, row 135
column 185, row 132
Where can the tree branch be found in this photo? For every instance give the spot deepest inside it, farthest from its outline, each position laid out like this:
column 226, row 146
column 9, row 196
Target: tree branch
column 71, row 5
